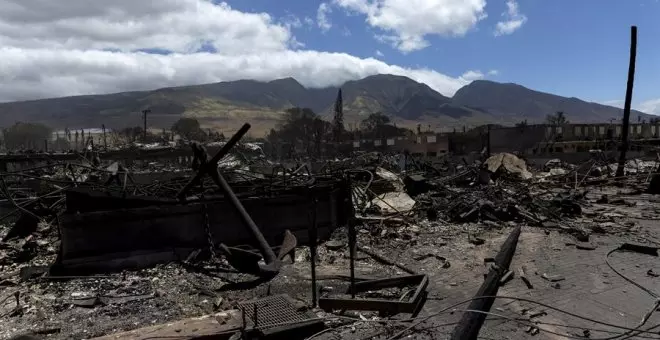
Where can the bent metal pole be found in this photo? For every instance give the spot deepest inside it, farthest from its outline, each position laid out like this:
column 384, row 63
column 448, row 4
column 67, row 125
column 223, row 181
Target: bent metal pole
column 213, row 163
column 470, row 325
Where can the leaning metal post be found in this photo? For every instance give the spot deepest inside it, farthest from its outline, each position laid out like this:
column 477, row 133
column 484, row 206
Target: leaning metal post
column 214, row 161
column 470, row 325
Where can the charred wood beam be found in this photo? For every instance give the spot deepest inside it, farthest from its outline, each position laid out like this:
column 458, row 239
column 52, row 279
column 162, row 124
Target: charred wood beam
column 470, row 325
column 627, row 104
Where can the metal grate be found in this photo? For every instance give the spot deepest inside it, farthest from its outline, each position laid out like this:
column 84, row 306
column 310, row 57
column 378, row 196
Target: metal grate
column 272, row 311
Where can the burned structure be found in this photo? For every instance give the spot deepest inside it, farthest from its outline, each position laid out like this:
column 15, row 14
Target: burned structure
column 218, row 242
column 220, row 245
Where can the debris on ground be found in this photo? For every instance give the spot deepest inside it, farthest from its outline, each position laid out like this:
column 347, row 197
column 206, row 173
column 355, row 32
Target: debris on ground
column 220, row 240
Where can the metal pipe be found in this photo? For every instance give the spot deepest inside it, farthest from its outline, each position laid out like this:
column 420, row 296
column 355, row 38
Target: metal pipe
column 272, row 262
column 470, row 325
column 313, row 237
column 214, row 161
column 352, row 242
column 352, row 245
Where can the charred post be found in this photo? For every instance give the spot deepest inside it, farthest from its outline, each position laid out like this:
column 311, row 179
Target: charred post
column 470, row 325
column 628, row 102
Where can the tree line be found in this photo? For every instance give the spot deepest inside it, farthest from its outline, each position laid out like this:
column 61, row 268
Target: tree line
column 40, row 137
column 303, row 133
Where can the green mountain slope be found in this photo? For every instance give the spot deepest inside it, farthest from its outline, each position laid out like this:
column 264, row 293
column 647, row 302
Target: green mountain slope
column 228, row 104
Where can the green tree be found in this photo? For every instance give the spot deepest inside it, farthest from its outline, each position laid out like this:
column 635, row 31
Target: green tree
column 338, row 121
column 556, row 119
column 301, row 131
column 26, row 136
column 189, row 128
column 375, row 121
column 378, row 125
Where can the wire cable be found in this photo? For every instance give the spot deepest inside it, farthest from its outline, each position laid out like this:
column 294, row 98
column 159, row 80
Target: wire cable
column 650, row 292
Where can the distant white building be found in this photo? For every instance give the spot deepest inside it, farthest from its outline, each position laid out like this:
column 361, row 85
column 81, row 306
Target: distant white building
column 95, row 133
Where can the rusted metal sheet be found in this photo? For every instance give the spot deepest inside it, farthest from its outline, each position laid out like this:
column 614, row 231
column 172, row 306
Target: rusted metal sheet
column 102, row 231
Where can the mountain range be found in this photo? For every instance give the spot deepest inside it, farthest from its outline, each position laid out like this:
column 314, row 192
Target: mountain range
column 226, row 105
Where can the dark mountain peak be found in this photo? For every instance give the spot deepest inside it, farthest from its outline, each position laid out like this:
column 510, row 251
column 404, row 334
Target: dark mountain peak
column 483, row 84
column 390, row 79
column 514, row 100
column 481, row 101
column 289, row 81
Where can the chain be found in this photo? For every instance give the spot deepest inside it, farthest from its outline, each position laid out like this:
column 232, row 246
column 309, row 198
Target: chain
column 209, row 235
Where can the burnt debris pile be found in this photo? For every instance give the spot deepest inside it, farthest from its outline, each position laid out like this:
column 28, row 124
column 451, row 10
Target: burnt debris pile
column 214, row 240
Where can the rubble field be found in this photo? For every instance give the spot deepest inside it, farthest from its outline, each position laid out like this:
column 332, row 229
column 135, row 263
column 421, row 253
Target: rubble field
column 373, row 246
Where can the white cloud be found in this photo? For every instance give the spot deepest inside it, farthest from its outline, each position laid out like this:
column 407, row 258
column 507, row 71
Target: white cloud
column 291, row 21
column 309, row 21
column 67, row 50
column 174, row 25
column 513, row 19
column 614, row 102
column 379, row 53
column 39, row 73
column 650, row 106
column 346, row 32
column 406, row 23
column 472, row 75
column 322, row 17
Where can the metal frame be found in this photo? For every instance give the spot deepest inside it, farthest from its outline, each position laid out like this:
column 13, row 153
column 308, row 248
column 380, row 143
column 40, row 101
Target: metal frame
column 412, row 305
column 294, row 329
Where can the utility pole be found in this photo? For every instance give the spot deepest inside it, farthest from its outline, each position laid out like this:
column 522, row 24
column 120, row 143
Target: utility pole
column 338, row 122
column 144, row 117
column 488, row 141
column 105, row 141
column 626, row 108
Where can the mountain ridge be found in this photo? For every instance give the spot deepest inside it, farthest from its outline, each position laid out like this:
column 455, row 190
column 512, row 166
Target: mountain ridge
column 229, row 103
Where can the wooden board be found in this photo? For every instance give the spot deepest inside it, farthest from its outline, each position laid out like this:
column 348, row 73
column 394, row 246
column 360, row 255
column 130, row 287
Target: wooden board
column 203, row 327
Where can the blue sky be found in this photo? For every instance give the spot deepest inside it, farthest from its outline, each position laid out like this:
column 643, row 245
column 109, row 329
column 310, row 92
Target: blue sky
column 575, row 48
